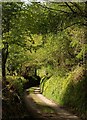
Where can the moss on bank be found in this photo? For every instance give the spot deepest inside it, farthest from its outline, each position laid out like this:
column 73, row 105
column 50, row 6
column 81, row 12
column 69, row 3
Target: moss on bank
column 69, row 90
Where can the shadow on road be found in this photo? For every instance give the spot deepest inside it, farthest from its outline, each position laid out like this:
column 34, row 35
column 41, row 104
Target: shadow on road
column 39, row 110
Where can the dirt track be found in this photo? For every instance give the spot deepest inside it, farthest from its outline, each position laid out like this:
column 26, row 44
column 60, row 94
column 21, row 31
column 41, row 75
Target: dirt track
column 40, row 108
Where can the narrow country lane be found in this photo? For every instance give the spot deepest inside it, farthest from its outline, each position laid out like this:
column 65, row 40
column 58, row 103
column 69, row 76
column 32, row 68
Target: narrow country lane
column 42, row 108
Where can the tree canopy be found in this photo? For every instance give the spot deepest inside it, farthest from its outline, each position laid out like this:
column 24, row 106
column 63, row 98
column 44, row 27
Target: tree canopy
column 47, row 33
column 47, row 39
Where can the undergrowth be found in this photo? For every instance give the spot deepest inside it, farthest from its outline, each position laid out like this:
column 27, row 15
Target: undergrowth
column 16, row 82
column 12, row 98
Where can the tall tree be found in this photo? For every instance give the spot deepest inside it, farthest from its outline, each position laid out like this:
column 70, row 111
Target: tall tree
column 9, row 11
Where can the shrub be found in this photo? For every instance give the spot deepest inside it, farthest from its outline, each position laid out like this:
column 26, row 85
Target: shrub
column 17, row 82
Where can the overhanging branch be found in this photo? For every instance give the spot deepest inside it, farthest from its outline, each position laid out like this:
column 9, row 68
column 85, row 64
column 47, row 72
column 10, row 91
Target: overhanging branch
column 54, row 9
column 83, row 24
column 70, row 7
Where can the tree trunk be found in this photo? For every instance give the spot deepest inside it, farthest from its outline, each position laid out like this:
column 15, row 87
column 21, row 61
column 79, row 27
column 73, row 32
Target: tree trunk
column 4, row 59
column 3, row 71
column 85, row 53
column 35, row 72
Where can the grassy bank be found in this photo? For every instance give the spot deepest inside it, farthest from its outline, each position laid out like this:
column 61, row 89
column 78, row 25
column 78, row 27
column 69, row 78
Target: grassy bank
column 68, row 90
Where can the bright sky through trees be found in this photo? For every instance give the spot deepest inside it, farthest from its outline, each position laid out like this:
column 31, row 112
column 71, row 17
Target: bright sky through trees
column 27, row 1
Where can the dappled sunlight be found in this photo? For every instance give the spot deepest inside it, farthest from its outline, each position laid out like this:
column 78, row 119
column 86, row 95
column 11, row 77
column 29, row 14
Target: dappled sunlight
column 44, row 107
column 44, row 52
